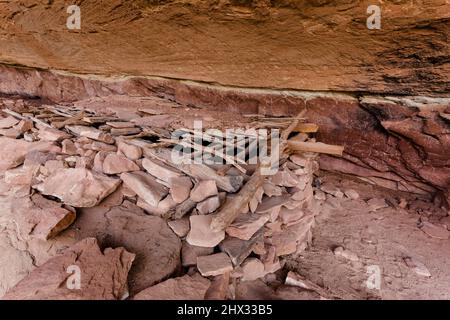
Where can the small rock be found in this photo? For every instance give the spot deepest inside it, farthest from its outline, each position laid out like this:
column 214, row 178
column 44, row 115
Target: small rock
column 190, row 253
column 245, row 226
column 55, row 135
column 352, row 194
column 270, row 203
column 237, row 249
column 203, row 190
column 271, row 190
column 288, row 216
column 100, row 146
column 45, row 219
column 160, row 170
column 335, row 192
column 219, row 287
column 22, row 175
column 78, row 187
column 434, row 231
column 252, row 269
column 340, row 251
column 115, row 164
column 51, row 166
column 161, row 210
column 180, row 226
column 256, row 200
column 98, row 161
column 180, row 188
column 320, row 195
column 130, row 151
column 285, row 178
column 299, row 160
column 214, row 265
column 68, row 147
column 85, row 162
column 145, row 186
column 403, row 203
column 418, row 267
column 8, row 122
column 182, row 288
column 377, row 204
column 287, row 241
column 209, row 205
column 201, row 233
column 30, row 137
column 271, row 261
column 24, row 126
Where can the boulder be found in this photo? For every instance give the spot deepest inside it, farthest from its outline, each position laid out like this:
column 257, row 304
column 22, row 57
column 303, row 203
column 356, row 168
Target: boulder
column 102, row 275
column 156, row 247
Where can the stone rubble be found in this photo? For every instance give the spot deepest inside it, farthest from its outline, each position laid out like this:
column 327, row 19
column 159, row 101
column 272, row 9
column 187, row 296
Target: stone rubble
column 101, row 180
column 214, row 265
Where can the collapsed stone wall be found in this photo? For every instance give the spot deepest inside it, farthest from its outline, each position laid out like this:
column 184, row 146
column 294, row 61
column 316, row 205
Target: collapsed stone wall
column 317, row 55
column 399, row 142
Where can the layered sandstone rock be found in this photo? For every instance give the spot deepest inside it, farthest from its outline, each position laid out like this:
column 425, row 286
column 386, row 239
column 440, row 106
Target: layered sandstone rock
column 310, row 45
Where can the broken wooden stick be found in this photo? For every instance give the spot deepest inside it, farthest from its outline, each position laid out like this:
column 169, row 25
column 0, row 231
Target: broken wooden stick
column 317, row 147
column 232, row 208
column 19, row 116
column 307, row 127
column 216, row 152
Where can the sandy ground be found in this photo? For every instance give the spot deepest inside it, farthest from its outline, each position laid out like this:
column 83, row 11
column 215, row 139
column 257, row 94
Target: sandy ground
column 384, row 239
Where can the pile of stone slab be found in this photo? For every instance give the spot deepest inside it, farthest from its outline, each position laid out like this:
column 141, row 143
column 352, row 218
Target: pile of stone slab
column 232, row 225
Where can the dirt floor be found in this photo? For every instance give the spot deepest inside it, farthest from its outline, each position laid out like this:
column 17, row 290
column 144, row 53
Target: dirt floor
column 387, row 237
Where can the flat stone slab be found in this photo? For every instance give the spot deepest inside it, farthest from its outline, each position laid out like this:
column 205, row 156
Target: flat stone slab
column 182, row 288
column 145, row 186
column 78, row 187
